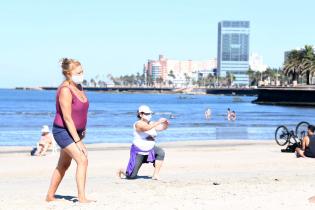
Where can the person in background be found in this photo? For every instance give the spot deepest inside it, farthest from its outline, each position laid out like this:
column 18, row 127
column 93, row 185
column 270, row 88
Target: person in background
column 69, row 128
column 233, row 116
column 228, row 114
column 143, row 148
column 45, row 142
column 308, row 144
column 208, row 113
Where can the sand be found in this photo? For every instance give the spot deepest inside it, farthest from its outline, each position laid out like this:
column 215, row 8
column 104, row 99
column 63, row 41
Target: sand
column 196, row 175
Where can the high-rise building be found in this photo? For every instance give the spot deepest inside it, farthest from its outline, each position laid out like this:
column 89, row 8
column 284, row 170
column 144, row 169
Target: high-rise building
column 180, row 69
column 256, row 62
column 233, row 50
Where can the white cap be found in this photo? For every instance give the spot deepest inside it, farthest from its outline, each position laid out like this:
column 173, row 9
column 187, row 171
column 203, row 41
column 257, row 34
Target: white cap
column 144, row 109
column 45, row 129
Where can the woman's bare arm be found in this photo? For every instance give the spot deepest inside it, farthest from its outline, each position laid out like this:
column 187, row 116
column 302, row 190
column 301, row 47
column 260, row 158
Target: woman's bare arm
column 143, row 127
column 65, row 100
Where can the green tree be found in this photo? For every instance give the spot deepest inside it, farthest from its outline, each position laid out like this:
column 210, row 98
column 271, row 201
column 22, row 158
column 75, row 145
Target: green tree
column 253, row 77
column 300, row 63
column 291, row 66
column 229, row 78
column 159, row 80
column 187, row 79
column 116, row 81
column 93, row 82
column 85, row 83
column 308, row 63
column 171, row 74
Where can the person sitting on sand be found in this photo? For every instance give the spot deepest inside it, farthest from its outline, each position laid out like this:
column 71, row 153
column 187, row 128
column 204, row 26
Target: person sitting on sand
column 143, row 148
column 45, row 142
column 308, row 144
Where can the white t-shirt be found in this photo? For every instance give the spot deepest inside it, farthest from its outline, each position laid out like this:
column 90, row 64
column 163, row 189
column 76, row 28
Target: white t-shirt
column 140, row 139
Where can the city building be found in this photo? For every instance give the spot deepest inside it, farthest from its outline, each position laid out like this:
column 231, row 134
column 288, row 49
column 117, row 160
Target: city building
column 177, row 72
column 256, row 62
column 233, row 50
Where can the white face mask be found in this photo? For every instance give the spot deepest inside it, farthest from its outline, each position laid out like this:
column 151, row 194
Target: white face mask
column 78, row 79
column 147, row 117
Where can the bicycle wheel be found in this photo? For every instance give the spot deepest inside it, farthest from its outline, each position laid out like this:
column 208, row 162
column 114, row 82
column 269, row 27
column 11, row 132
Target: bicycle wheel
column 282, row 135
column 301, row 129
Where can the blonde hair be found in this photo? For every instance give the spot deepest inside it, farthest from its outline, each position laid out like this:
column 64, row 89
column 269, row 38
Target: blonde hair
column 67, row 65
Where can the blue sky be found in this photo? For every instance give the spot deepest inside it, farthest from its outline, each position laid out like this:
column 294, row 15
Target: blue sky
column 119, row 36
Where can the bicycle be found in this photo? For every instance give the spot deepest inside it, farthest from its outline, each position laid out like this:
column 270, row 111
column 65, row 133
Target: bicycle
column 283, row 136
column 301, row 129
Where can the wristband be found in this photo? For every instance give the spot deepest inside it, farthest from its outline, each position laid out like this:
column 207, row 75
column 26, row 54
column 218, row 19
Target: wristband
column 78, row 141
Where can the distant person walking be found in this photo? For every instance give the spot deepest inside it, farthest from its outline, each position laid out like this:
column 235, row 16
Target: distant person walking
column 208, row 113
column 143, row 148
column 69, row 128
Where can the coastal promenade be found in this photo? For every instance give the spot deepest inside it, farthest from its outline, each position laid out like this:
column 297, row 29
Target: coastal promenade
column 121, row 89
column 293, row 96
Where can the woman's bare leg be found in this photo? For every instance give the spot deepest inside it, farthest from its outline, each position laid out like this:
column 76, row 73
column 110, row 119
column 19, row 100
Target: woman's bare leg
column 82, row 162
column 158, row 165
column 63, row 164
column 121, row 173
column 44, row 150
column 159, row 155
column 299, row 152
column 312, row 199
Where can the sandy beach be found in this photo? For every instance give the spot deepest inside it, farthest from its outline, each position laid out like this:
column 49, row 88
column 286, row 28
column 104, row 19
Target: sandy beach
column 201, row 175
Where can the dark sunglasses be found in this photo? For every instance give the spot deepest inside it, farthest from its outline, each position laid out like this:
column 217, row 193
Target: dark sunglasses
column 147, row 113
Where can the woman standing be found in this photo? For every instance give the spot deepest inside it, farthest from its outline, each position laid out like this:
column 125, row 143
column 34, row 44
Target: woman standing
column 69, row 128
column 143, row 148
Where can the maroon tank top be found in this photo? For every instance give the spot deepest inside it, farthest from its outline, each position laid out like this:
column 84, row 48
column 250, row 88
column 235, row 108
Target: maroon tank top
column 79, row 111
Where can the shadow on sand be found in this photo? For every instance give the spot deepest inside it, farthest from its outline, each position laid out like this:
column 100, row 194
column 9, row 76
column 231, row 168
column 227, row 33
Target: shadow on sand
column 67, row 197
column 139, row 177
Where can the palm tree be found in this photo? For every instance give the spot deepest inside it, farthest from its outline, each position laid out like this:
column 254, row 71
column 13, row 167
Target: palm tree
column 85, row 83
column 308, row 62
column 139, row 79
column 254, row 76
column 300, row 63
column 93, row 82
column 229, row 78
column 187, row 79
column 171, row 74
column 292, row 66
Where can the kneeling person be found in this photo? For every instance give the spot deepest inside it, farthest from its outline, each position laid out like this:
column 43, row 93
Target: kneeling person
column 143, row 148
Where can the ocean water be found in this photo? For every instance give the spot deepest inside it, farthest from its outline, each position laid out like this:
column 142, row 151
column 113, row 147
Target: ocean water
column 111, row 116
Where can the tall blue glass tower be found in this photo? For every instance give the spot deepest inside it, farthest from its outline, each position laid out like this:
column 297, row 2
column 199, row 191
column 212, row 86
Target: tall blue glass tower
column 233, row 50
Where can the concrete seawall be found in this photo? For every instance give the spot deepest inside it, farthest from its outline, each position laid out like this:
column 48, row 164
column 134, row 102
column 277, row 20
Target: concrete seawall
column 232, row 91
column 294, row 96
column 120, row 89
